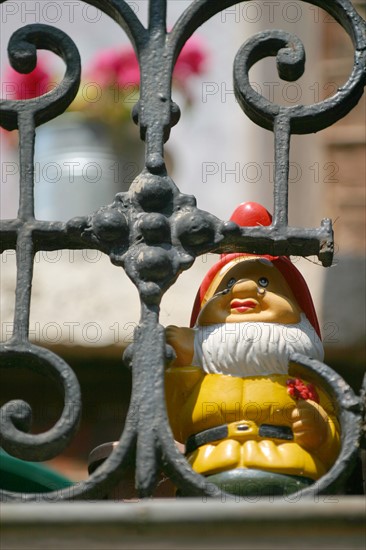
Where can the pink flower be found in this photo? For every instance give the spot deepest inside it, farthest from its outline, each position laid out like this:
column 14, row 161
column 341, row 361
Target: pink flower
column 129, row 72
column 120, row 66
column 26, row 86
column 191, row 60
column 115, row 66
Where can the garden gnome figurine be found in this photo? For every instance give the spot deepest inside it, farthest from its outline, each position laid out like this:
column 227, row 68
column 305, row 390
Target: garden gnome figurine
column 247, row 425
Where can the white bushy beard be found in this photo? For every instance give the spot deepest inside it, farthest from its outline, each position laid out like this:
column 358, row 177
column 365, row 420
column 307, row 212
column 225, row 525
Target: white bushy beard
column 253, row 349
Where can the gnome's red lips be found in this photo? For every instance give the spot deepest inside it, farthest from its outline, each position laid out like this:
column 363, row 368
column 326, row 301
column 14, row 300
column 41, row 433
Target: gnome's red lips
column 243, row 305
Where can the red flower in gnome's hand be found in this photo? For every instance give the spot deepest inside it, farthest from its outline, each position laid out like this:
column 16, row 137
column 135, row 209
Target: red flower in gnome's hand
column 299, row 390
column 309, row 420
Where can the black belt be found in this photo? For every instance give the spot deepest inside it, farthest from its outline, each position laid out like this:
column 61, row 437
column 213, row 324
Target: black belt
column 222, row 432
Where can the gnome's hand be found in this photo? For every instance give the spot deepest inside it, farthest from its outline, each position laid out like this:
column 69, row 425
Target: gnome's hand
column 310, row 424
column 182, row 340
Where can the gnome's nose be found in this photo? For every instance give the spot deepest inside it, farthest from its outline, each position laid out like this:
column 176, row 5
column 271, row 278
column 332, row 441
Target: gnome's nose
column 245, row 286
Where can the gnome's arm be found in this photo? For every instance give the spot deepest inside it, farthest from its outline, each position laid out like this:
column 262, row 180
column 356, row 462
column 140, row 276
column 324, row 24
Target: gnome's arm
column 309, row 424
column 182, row 340
column 315, row 426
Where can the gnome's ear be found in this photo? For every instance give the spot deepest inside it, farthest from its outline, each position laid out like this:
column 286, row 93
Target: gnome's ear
column 251, row 214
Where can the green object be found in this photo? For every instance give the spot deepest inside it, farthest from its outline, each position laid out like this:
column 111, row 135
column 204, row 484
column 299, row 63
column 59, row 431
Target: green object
column 29, row 477
column 251, row 482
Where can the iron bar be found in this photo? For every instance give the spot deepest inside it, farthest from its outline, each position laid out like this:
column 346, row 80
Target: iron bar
column 282, row 132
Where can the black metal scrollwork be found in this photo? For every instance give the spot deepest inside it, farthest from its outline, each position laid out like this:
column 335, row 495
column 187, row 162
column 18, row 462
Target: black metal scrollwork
column 22, row 51
column 154, row 232
column 15, row 418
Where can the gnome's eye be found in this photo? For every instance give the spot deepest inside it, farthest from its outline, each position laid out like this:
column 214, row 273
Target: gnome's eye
column 231, row 282
column 263, row 282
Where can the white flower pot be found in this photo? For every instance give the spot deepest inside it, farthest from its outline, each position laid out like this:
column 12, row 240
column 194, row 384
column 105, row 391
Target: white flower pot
column 77, row 167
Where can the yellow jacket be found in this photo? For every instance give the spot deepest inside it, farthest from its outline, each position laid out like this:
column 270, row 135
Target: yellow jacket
column 197, row 401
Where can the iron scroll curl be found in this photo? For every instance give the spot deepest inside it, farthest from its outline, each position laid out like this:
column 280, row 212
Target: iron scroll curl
column 349, row 411
column 290, row 57
column 22, row 50
column 172, row 232
column 16, row 415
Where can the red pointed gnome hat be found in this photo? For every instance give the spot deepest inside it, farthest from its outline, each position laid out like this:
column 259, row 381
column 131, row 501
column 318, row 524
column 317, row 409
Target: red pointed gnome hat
column 251, row 214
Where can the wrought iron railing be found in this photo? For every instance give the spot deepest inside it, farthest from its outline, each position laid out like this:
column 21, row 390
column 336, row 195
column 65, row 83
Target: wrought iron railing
column 155, row 232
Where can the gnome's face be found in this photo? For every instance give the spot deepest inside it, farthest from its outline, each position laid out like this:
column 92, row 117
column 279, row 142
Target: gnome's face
column 249, row 290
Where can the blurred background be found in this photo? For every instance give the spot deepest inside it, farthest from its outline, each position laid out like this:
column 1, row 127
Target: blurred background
column 85, row 309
